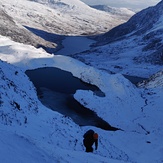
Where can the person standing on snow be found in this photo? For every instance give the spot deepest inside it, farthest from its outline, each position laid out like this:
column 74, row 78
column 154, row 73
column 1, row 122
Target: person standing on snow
column 90, row 137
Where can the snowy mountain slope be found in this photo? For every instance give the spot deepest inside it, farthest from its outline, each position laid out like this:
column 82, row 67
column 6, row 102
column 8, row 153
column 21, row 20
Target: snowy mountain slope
column 40, row 135
column 63, row 5
column 138, row 24
column 19, row 149
column 8, row 27
column 122, row 13
column 60, row 17
column 133, row 45
column 51, row 136
column 137, row 111
column 15, row 111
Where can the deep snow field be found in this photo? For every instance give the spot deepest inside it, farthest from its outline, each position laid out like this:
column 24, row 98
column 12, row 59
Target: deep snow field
column 30, row 132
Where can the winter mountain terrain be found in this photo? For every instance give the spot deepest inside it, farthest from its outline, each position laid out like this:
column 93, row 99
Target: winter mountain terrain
column 133, row 45
column 59, row 17
column 8, row 27
column 124, row 13
column 31, row 132
column 56, row 20
column 36, row 133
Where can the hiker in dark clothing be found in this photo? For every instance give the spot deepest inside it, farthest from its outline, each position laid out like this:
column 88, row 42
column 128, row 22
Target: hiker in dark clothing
column 90, row 137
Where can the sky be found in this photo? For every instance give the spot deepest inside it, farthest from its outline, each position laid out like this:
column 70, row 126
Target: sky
column 133, row 4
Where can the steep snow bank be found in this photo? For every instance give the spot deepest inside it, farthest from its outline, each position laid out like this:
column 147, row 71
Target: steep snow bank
column 30, row 131
column 118, row 90
column 137, row 111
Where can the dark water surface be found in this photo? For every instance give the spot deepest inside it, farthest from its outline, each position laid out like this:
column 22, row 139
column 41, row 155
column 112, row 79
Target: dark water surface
column 56, row 87
column 134, row 79
column 57, row 80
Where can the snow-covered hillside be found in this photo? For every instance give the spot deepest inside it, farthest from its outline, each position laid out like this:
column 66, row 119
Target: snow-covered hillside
column 51, row 137
column 134, row 45
column 12, row 29
column 30, row 132
column 60, row 17
column 122, row 13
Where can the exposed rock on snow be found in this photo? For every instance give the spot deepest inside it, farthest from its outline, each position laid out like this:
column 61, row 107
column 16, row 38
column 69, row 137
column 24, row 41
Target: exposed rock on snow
column 12, row 90
column 10, row 28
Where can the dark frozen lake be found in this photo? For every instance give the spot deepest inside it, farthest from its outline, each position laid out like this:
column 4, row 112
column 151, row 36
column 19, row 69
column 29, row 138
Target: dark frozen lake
column 55, row 89
column 57, row 80
column 134, row 79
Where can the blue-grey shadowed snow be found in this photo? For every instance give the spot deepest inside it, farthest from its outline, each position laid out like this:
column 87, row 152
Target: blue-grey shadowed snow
column 55, row 89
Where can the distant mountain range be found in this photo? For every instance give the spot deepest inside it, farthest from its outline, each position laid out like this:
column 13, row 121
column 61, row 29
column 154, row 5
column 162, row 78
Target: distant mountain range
column 140, row 39
column 23, row 22
column 147, row 26
column 122, row 13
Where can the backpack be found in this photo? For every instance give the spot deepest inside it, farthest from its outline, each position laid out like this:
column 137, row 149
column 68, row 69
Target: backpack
column 88, row 134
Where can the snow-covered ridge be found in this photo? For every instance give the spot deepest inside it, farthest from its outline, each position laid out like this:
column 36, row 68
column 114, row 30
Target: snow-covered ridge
column 62, row 4
column 122, row 13
column 138, row 24
column 77, row 18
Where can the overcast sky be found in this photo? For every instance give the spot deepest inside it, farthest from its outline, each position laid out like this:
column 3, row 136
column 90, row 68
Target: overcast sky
column 133, row 4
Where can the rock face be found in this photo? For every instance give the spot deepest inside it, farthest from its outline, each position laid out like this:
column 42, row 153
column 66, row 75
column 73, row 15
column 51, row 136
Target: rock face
column 18, row 33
